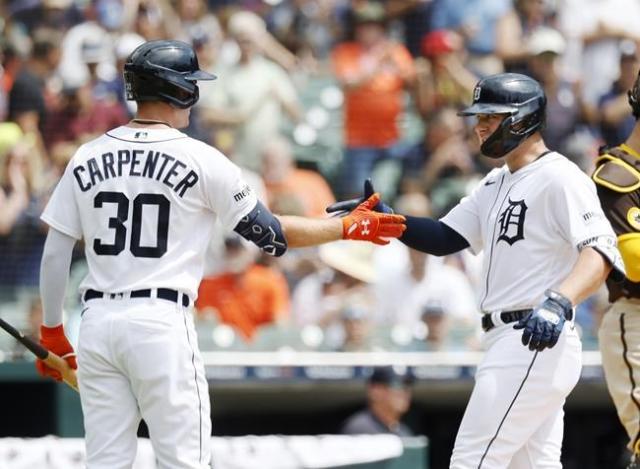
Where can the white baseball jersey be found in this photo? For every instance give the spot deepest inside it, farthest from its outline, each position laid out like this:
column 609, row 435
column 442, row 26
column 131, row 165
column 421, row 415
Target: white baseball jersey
column 145, row 202
column 531, row 225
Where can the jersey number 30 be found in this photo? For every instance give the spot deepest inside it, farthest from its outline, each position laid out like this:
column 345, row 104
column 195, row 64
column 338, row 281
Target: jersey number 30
column 122, row 214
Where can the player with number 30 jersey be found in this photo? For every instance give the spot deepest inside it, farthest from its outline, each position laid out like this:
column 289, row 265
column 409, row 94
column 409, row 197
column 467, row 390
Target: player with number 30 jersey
column 144, row 198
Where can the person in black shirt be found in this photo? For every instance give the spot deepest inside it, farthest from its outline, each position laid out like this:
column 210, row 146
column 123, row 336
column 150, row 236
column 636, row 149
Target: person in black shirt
column 388, row 399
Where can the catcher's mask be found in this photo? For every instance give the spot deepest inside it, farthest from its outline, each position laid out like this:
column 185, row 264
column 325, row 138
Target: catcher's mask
column 518, row 96
column 164, row 71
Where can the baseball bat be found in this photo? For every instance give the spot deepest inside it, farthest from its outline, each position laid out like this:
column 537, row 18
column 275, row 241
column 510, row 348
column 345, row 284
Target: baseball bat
column 50, row 358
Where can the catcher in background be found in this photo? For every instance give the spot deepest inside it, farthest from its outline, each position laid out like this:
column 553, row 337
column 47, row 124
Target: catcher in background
column 617, row 176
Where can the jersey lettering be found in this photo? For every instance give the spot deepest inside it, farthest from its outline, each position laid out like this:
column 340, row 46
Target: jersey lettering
column 512, row 222
column 154, row 165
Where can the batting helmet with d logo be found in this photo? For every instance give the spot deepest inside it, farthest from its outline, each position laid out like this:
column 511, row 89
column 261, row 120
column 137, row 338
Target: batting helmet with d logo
column 518, row 96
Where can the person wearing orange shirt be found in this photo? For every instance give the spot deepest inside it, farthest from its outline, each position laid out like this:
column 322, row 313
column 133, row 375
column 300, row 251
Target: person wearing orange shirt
column 283, row 180
column 373, row 71
column 245, row 295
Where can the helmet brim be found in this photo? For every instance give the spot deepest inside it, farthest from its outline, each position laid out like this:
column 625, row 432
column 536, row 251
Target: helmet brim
column 487, row 108
column 200, row 75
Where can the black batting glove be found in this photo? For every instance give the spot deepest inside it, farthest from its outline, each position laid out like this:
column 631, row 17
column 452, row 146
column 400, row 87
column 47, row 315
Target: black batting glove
column 343, row 207
column 542, row 327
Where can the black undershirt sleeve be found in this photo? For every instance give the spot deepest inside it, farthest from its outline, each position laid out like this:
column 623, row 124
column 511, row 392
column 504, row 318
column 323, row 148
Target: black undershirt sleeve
column 432, row 236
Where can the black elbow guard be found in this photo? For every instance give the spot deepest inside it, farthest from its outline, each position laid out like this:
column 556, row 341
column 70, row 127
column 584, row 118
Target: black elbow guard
column 264, row 230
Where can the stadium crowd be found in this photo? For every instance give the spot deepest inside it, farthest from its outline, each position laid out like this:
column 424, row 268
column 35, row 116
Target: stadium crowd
column 312, row 97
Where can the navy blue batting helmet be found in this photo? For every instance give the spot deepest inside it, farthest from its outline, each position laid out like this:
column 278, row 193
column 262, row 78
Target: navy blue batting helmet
column 164, row 71
column 518, row 96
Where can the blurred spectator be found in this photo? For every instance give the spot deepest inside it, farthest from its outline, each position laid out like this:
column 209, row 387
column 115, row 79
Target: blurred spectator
column 251, row 96
column 373, row 71
column 23, row 235
column 442, row 77
column 14, row 189
column 81, row 116
column 594, row 29
column 388, row 400
column 357, row 327
column 437, row 326
column 565, row 106
column 444, row 152
column 29, row 93
column 31, row 329
column 283, row 179
column 616, row 123
column 341, row 280
column 476, row 21
column 9, row 67
column 94, row 52
column 194, row 19
column 56, row 14
column 514, row 29
column 415, row 16
column 245, row 295
column 307, row 28
column 410, row 283
column 84, row 44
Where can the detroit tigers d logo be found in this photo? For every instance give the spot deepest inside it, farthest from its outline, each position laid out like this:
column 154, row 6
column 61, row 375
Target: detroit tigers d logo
column 512, row 222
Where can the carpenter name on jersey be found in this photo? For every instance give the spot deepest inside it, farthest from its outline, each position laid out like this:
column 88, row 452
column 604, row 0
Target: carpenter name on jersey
column 127, row 162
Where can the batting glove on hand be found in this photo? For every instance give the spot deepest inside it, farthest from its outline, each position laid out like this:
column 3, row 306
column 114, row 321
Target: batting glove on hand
column 345, row 206
column 542, row 327
column 366, row 225
column 54, row 340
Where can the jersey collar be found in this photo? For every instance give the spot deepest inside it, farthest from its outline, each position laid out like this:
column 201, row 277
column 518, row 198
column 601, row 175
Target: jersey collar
column 145, row 135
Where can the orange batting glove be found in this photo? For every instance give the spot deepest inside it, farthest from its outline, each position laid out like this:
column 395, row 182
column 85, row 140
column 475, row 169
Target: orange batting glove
column 54, row 340
column 366, row 225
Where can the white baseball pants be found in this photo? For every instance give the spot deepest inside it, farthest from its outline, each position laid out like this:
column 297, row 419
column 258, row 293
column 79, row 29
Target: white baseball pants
column 619, row 337
column 514, row 418
column 139, row 358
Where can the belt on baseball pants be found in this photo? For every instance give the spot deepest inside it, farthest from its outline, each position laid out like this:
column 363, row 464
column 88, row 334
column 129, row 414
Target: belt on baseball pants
column 168, row 294
column 505, row 316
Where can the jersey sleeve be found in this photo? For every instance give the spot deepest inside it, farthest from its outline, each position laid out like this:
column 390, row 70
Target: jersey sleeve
column 464, row 218
column 226, row 191
column 576, row 210
column 62, row 211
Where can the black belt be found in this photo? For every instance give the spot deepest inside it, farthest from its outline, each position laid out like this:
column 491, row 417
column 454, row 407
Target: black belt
column 163, row 293
column 505, row 316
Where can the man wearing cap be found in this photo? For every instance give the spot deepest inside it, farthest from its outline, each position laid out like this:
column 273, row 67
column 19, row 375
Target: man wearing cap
column 373, row 71
column 388, row 399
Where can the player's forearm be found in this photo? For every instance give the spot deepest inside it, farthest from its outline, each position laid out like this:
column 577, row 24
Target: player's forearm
column 432, row 236
column 54, row 274
column 302, row 232
column 588, row 274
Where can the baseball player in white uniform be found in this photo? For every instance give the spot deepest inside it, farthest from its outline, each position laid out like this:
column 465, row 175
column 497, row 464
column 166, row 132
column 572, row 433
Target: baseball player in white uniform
column 547, row 246
column 144, row 198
